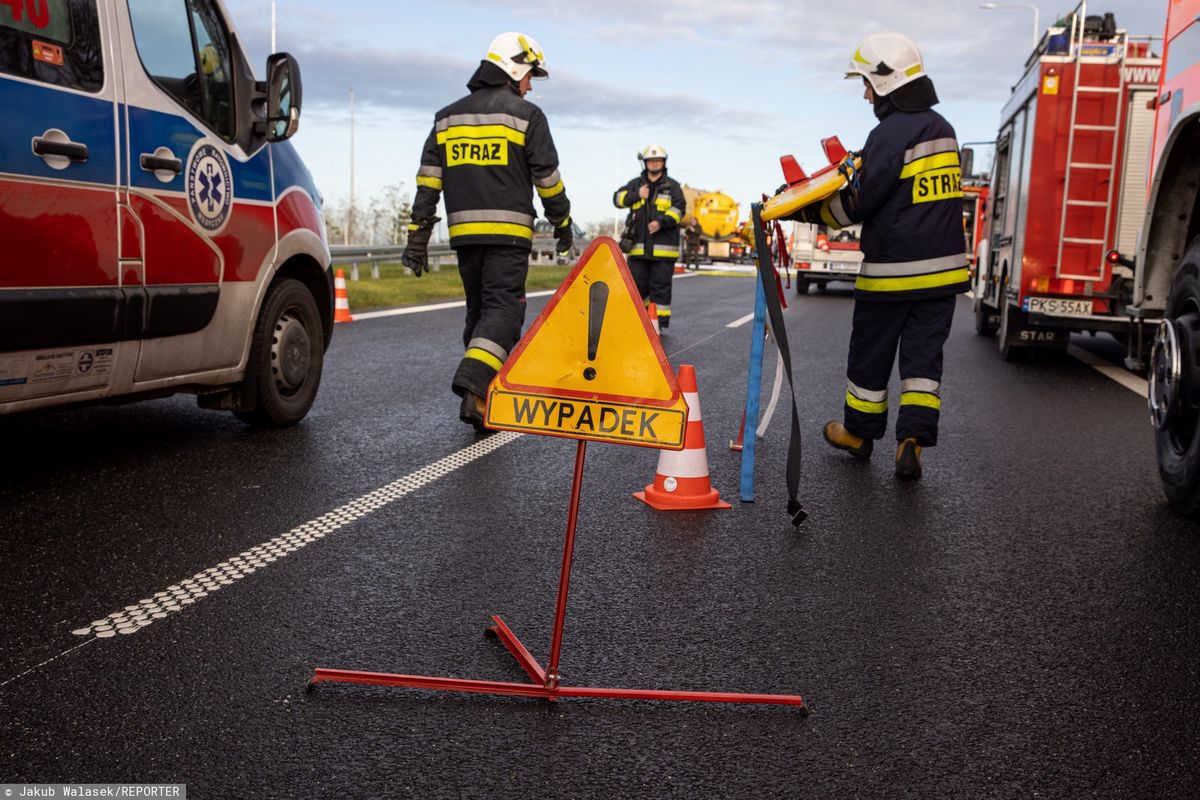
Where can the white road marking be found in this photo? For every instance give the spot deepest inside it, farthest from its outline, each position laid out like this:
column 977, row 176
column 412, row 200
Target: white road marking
column 740, row 321
column 179, row 596
column 44, row 663
column 1121, row 375
column 395, row 312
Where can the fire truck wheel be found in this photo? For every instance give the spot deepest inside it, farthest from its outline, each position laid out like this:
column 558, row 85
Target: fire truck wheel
column 801, row 285
column 985, row 319
column 1174, row 387
column 1009, row 319
column 286, row 356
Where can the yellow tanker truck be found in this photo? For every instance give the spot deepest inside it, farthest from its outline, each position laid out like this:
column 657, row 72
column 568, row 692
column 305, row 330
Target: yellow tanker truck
column 717, row 214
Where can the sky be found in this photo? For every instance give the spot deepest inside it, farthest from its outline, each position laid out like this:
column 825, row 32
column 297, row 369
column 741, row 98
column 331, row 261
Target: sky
column 725, row 87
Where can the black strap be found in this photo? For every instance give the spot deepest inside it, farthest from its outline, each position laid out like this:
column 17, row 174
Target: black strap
column 766, row 274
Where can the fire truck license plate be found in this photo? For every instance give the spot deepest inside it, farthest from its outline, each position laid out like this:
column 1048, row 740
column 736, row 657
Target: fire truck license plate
column 1059, row 306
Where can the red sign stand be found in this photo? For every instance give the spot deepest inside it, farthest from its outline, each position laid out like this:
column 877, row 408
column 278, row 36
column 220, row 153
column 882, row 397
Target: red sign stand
column 544, row 682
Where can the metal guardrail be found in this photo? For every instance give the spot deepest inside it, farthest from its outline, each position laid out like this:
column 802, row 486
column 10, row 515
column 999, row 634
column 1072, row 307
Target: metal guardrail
column 355, row 254
column 439, row 254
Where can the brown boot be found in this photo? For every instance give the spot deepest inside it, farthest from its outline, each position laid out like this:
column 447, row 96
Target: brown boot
column 473, row 410
column 837, row 435
column 908, row 460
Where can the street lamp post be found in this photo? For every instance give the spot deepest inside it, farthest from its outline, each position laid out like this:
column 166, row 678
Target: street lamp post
column 1036, row 26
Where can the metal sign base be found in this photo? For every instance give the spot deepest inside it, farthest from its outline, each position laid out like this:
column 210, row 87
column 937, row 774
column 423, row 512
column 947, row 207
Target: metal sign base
column 544, row 682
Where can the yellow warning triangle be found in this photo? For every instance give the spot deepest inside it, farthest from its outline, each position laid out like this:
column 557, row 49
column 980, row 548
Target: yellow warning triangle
column 591, row 366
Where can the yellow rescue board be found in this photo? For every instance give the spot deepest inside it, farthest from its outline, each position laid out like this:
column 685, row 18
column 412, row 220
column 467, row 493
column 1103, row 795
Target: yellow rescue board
column 805, row 193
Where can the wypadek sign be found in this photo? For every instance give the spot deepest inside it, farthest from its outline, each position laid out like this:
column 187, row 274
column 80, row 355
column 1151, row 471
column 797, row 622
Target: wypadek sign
column 591, row 367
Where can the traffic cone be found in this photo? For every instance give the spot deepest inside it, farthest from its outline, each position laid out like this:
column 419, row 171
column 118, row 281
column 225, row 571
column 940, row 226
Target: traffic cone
column 652, row 311
column 341, row 301
column 681, row 480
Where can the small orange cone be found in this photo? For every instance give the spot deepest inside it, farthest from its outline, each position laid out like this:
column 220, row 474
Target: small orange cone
column 681, row 480
column 341, row 301
column 652, row 311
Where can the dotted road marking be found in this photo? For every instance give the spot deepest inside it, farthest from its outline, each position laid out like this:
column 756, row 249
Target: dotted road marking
column 179, row 596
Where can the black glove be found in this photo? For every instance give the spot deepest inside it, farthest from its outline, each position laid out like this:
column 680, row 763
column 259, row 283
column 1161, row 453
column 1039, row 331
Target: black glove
column 564, row 236
column 416, row 252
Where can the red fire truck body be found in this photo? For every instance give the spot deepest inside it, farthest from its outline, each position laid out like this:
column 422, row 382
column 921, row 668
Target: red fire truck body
column 1167, row 265
column 1068, row 186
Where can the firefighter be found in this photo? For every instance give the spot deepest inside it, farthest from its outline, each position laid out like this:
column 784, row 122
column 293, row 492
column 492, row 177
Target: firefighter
column 691, row 244
column 908, row 197
column 487, row 153
column 657, row 203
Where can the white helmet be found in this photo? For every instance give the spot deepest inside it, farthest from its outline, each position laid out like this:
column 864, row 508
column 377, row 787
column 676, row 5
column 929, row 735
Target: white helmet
column 652, row 151
column 888, row 61
column 517, row 54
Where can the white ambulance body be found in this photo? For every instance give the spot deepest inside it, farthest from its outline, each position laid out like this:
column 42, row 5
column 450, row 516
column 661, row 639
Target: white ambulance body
column 160, row 235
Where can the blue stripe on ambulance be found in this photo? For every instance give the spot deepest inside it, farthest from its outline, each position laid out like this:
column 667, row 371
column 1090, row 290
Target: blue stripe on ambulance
column 85, row 119
column 290, row 172
column 153, row 129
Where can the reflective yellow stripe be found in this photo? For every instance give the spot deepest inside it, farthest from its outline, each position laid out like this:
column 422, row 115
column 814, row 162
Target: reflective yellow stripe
column 621, row 197
column 827, row 215
column 638, row 204
column 865, row 406
column 666, row 251
column 491, row 229
column 431, row 183
column 913, row 282
column 673, row 215
column 928, row 163
column 566, row 221
column 637, row 250
column 484, row 356
column 913, row 70
column 482, row 132
column 920, row 399
column 550, row 192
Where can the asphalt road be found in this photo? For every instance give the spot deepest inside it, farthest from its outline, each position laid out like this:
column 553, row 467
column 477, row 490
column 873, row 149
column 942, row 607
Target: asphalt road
column 1023, row 622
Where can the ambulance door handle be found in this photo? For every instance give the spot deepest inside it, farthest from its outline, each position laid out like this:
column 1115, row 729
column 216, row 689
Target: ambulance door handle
column 76, row 151
column 150, row 163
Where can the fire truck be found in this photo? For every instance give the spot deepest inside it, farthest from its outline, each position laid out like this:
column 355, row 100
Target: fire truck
column 822, row 255
column 161, row 233
column 1167, row 261
column 1068, row 186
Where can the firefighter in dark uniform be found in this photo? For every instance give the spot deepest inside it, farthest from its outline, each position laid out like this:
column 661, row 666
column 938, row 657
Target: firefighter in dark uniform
column 691, row 244
column 908, row 197
column 488, row 152
column 657, row 203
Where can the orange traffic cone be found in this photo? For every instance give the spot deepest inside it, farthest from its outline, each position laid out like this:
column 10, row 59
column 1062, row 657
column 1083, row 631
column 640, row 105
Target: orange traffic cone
column 652, row 311
column 681, row 480
column 341, row 302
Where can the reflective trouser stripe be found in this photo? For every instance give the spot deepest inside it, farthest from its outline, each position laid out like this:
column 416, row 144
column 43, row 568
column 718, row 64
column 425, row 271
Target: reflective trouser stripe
column 920, row 399
column 480, row 354
column 663, row 311
column 865, row 406
column 902, row 284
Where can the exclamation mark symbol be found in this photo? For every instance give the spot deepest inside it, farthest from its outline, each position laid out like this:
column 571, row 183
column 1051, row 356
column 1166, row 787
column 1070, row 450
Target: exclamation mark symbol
column 597, row 303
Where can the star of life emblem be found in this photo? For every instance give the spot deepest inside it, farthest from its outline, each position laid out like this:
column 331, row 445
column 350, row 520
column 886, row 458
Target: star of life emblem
column 209, row 187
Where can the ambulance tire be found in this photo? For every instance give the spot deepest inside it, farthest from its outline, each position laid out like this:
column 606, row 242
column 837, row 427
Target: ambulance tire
column 1177, row 443
column 286, row 356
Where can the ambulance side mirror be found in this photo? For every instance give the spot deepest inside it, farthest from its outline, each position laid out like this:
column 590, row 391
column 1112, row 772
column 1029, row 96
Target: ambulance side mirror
column 283, row 97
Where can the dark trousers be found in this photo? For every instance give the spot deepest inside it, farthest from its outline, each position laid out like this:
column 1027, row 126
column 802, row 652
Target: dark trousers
column 919, row 329
column 653, row 277
column 493, row 279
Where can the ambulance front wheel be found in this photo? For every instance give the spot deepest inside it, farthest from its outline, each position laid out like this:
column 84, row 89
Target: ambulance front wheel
column 286, row 356
column 1174, row 388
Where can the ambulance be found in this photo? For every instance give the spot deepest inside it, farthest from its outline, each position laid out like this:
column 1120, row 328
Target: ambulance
column 160, row 233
